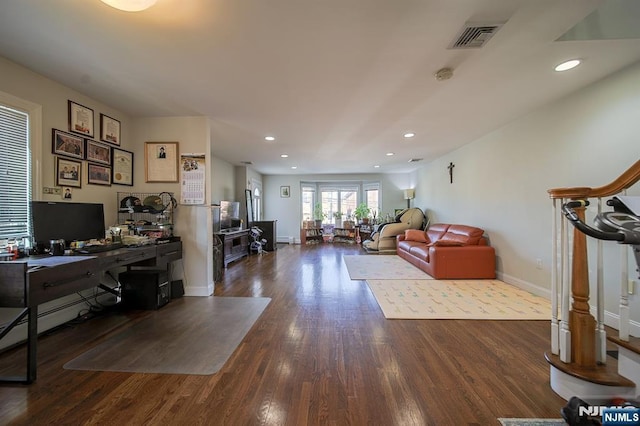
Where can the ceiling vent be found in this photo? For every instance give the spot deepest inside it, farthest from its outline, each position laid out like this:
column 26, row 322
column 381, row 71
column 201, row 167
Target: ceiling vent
column 474, row 35
column 415, row 160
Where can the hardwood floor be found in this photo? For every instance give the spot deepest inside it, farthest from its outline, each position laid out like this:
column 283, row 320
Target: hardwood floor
column 321, row 354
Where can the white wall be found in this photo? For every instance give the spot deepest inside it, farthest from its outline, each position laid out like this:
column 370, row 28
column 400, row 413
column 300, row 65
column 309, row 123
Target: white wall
column 501, row 180
column 287, row 211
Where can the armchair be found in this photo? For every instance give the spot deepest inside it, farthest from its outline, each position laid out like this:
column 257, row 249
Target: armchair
column 385, row 237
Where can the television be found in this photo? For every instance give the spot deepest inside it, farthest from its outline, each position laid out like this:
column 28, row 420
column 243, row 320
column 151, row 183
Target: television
column 230, row 216
column 67, row 221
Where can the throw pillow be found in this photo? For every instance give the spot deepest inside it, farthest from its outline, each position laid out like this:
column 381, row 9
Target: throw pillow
column 416, row 235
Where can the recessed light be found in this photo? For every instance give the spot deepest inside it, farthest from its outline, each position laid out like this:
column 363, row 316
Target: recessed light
column 284, row 155
column 389, row 154
column 377, row 166
column 294, row 167
column 130, row 5
column 409, row 135
column 269, row 138
column 565, row 66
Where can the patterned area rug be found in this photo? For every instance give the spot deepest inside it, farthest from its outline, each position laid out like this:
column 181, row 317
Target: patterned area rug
column 460, row 299
column 532, row 422
column 382, row 268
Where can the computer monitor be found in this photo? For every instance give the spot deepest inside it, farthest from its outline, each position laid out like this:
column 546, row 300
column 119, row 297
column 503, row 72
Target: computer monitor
column 67, row 221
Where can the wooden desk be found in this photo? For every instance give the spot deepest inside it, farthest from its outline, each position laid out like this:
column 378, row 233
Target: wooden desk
column 27, row 283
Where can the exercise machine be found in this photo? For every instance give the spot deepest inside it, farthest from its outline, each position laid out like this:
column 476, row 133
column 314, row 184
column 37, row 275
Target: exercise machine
column 621, row 225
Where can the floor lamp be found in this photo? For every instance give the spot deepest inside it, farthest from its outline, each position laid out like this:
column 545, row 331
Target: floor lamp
column 409, row 194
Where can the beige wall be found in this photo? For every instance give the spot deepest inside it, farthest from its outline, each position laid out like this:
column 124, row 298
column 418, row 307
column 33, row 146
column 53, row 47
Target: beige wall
column 501, row 180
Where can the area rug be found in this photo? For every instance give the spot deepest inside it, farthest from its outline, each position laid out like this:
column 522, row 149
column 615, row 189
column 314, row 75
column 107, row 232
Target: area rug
column 532, row 422
column 460, row 299
column 196, row 335
column 382, row 268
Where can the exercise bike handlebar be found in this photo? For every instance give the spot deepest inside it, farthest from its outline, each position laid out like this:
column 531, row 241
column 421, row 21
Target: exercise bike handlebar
column 570, row 213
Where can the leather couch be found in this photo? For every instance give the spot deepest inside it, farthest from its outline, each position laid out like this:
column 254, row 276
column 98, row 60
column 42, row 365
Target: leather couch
column 384, row 239
column 448, row 251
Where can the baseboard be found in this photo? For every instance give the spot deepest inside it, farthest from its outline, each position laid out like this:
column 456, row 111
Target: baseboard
column 524, row 285
column 201, row 291
column 610, row 319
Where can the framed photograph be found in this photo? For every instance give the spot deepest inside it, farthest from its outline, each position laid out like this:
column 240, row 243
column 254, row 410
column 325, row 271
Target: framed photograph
column 161, row 161
column 98, row 174
column 98, row 152
column 121, row 167
column 80, row 119
column 68, row 173
column 66, row 144
column 109, row 130
column 67, row 193
column 285, row 191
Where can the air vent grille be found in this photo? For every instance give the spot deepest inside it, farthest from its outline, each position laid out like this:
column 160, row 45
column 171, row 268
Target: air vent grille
column 474, row 36
column 415, row 160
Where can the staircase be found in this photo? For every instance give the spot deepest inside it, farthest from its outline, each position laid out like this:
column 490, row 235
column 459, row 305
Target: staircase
column 579, row 362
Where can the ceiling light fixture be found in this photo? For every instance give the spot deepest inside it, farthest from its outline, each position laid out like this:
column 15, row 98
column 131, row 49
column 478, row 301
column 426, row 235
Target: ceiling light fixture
column 130, row 5
column 409, row 135
column 294, row 167
column 565, row 66
column 377, row 166
column 389, row 154
column 284, row 155
column 269, row 138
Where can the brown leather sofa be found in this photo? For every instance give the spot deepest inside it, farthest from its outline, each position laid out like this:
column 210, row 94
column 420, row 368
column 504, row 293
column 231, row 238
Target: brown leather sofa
column 447, row 251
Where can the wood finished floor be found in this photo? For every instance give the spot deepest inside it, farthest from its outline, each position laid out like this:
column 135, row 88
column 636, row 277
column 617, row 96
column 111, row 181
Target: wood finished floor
column 321, row 354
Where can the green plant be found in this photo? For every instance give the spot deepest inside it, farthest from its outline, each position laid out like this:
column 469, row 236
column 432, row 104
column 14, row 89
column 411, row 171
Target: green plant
column 318, row 214
column 362, row 211
column 337, row 215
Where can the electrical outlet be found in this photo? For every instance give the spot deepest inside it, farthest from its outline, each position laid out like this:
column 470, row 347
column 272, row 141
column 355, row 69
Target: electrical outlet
column 539, row 263
column 47, row 190
column 57, row 191
column 631, row 287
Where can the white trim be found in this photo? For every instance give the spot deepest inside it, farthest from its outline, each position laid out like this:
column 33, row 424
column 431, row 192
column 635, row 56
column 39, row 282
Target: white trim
column 524, row 285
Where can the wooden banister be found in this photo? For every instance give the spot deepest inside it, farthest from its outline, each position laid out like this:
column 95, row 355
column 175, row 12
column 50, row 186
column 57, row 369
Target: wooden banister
column 582, row 325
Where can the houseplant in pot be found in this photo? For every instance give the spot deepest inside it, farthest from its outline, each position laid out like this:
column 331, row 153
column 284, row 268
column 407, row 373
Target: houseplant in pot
column 318, row 215
column 362, row 213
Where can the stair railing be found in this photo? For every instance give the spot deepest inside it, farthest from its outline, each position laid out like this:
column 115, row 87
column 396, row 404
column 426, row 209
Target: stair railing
column 576, row 336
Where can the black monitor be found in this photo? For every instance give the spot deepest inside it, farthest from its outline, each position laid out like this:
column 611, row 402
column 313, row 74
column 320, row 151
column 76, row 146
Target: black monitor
column 67, row 221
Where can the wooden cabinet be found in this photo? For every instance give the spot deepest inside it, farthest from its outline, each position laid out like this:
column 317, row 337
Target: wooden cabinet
column 235, row 245
column 310, row 235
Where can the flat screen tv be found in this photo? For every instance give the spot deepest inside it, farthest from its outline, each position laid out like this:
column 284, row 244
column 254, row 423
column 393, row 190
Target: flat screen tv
column 67, row 221
column 229, row 216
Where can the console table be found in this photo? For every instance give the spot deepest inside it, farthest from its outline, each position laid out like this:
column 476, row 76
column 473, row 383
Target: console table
column 235, row 245
column 29, row 282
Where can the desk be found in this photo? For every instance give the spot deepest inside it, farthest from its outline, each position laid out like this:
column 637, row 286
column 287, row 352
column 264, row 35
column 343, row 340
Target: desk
column 27, row 283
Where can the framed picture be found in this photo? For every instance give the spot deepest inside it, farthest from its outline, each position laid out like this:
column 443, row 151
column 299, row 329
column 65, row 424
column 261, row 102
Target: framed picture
column 121, row 167
column 68, row 173
column 66, row 144
column 98, row 152
column 109, row 130
column 98, row 174
column 80, row 119
column 161, row 161
column 285, row 191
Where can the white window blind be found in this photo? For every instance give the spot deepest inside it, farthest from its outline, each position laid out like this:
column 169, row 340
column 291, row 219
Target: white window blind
column 15, row 173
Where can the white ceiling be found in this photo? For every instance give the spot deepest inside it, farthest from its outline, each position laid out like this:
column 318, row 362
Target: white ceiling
column 337, row 82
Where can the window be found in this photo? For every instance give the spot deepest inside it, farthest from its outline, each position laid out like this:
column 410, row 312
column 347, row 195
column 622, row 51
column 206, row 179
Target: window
column 308, row 201
column 372, row 198
column 338, row 201
column 15, row 173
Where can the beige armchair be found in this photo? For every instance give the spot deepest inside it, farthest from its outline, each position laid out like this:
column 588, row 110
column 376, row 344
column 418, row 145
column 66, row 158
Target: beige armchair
column 384, row 239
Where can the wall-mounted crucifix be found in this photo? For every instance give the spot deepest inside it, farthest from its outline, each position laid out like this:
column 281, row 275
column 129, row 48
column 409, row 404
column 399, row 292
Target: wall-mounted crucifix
column 450, row 167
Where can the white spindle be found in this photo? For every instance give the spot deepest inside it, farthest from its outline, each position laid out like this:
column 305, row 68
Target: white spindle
column 565, row 332
column 554, row 279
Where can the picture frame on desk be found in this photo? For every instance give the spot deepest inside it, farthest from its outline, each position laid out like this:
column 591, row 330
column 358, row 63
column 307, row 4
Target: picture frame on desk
column 68, row 172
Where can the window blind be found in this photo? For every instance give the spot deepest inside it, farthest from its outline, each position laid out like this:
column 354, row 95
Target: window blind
column 15, row 173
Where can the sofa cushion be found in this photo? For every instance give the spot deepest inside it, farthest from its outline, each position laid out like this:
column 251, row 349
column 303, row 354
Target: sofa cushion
column 437, row 230
column 416, row 235
column 465, row 235
column 447, row 243
column 421, row 251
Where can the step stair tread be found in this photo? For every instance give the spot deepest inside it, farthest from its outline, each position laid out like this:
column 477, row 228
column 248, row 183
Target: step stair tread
column 602, row 374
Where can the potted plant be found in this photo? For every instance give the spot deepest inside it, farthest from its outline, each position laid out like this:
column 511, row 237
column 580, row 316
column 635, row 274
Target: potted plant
column 338, row 218
column 362, row 213
column 319, row 215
